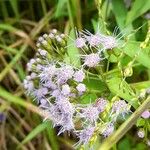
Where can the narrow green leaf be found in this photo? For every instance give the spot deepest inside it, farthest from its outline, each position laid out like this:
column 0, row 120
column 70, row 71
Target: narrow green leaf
column 120, row 12
column 139, row 7
column 120, row 88
column 52, row 138
column 60, row 8
column 7, row 27
column 14, row 4
column 41, row 127
column 72, row 51
column 132, row 49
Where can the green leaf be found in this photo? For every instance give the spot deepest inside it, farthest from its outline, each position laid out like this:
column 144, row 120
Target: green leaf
column 124, row 144
column 88, row 98
column 121, row 88
column 52, row 137
column 132, row 49
column 140, row 122
column 72, row 51
column 139, row 7
column 7, row 27
column 140, row 146
column 120, row 12
column 141, row 85
column 95, row 84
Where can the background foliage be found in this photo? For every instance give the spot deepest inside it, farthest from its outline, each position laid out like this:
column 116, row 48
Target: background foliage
column 22, row 21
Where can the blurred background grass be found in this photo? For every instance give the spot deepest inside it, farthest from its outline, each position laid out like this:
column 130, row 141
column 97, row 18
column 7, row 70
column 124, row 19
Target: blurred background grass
column 21, row 22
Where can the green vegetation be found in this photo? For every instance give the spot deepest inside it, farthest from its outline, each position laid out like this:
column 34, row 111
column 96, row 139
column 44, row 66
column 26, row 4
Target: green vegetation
column 126, row 73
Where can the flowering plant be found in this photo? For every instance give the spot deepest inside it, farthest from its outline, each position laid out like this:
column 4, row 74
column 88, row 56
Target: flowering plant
column 59, row 84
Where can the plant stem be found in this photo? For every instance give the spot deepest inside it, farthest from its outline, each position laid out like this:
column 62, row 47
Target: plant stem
column 124, row 128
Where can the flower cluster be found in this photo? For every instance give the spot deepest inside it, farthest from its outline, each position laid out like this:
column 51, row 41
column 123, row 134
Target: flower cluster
column 58, row 87
column 93, row 45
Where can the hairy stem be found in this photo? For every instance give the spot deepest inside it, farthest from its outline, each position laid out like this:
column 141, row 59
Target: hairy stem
column 124, row 128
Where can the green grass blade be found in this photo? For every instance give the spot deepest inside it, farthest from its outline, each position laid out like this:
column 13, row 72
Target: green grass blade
column 52, row 138
column 13, row 62
column 41, row 127
column 14, row 4
column 60, row 11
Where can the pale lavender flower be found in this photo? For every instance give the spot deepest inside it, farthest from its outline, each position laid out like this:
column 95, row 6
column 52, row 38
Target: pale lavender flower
column 65, row 106
column 66, row 123
column 94, row 40
column 47, row 72
column 44, row 103
column 64, row 74
column 85, row 135
column 65, row 89
column 28, row 77
column 109, row 42
column 120, row 107
column 90, row 113
column 50, row 84
column 108, row 130
column 2, row 117
column 39, row 67
column 141, row 133
column 92, row 60
column 80, row 42
column 54, row 115
column 42, row 52
column 56, row 93
column 81, row 87
column 79, row 76
column 29, row 86
column 145, row 114
column 30, row 63
column 40, row 39
column 40, row 93
column 101, row 104
column 33, row 75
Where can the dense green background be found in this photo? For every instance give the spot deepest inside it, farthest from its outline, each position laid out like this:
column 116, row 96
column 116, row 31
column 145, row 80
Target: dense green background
column 22, row 21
